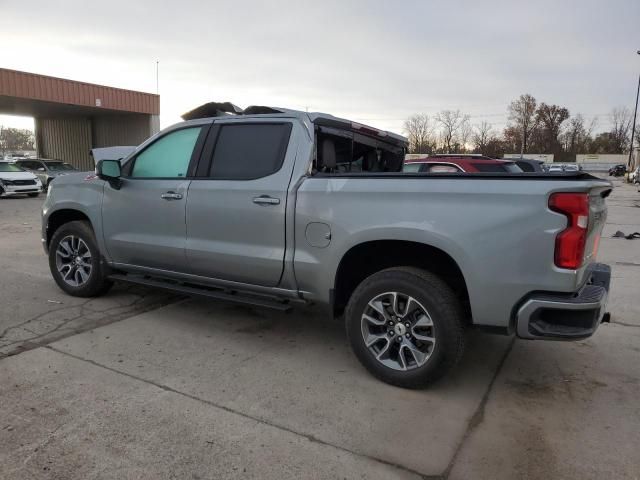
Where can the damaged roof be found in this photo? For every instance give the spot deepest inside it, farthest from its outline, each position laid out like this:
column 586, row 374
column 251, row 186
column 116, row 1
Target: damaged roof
column 224, row 109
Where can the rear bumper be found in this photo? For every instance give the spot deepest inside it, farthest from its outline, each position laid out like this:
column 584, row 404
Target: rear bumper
column 572, row 316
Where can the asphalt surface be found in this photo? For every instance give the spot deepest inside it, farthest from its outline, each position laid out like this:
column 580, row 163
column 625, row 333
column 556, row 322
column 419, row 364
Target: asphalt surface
column 139, row 384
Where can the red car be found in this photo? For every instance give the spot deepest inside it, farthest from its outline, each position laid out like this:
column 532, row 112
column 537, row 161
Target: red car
column 453, row 163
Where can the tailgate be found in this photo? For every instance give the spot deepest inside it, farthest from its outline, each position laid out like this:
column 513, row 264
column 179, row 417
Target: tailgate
column 597, row 219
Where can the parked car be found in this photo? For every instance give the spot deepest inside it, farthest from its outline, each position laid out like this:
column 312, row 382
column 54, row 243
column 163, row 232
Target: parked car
column 16, row 181
column 556, row 168
column 634, row 176
column 459, row 163
column 618, row 170
column 272, row 207
column 571, row 167
column 46, row 170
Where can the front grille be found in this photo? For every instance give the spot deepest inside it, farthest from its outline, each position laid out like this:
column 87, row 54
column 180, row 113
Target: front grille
column 22, row 182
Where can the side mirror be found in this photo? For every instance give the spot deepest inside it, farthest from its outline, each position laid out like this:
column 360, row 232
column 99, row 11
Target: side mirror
column 41, row 169
column 109, row 170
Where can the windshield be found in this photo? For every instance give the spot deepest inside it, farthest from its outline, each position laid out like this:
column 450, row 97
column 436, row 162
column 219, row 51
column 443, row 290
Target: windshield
column 58, row 166
column 9, row 167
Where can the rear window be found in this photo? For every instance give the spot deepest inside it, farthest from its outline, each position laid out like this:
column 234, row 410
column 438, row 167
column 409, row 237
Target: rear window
column 411, row 167
column 249, row 151
column 352, row 152
column 525, row 167
column 497, row 167
column 512, row 168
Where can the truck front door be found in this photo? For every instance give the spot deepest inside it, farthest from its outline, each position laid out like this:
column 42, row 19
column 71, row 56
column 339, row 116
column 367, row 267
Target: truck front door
column 144, row 221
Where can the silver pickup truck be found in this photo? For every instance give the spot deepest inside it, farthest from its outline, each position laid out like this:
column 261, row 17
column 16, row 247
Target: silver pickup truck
column 274, row 207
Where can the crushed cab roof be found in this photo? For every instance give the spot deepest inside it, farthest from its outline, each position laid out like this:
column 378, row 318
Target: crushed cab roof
column 225, row 109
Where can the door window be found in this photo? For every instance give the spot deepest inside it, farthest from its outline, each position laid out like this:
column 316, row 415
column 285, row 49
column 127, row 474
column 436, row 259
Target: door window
column 249, row 151
column 167, row 157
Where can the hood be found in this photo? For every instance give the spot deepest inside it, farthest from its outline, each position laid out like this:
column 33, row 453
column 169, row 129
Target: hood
column 111, row 153
column 17, row 176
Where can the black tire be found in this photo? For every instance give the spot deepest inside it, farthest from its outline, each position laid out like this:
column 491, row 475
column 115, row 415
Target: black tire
column 97, row 282
column 443, row 307
column 35, row 194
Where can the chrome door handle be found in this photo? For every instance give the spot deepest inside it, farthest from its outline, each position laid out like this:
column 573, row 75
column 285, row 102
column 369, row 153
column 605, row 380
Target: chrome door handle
column 266, row 200
column 171, row 196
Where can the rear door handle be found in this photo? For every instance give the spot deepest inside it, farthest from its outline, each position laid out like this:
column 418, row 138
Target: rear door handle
column 171, row 196
column 266, row 200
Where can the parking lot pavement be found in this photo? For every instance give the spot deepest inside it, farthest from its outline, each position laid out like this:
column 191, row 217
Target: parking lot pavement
column 34, row 310
column 201, row 389
column 295, row 372
column 65, row 418
column 571, row 410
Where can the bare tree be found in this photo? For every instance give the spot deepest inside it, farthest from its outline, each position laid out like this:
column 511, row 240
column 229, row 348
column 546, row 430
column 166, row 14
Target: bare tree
column 573, row 137
column 522, row 115
column 14, row 139
column 466, row 131
column 483, row 132
column 419, row 131
column 577, row 137
column 451, row 123
column 621, row 119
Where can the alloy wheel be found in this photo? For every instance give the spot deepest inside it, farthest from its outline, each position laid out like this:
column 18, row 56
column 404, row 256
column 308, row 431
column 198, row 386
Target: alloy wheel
column 73, row 260
column 398, row 331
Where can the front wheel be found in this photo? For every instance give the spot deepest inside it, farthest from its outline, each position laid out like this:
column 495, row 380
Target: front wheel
column 405, row 326
column 75, row 261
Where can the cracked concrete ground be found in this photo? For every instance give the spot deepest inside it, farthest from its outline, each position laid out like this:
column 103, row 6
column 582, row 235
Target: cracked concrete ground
column 34, row 310
column 202, row 389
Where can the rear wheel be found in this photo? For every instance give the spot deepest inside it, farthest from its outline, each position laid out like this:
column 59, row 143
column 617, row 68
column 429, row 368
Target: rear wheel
column 75, row 261
column 405, row 326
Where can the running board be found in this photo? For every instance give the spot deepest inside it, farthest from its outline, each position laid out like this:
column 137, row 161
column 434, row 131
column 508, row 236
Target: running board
column 196, row 291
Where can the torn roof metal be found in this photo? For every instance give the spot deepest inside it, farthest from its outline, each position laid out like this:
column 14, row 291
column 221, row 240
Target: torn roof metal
column 225, row 109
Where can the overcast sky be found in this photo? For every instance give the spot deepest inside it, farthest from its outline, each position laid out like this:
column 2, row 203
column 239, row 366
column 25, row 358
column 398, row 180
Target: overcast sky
column 372, row 61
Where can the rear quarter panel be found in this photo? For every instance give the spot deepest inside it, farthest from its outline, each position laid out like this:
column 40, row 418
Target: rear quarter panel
column 500, row 232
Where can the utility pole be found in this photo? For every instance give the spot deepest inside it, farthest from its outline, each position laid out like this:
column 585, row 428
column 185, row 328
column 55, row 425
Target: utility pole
column 635, row 113
column 157, row 77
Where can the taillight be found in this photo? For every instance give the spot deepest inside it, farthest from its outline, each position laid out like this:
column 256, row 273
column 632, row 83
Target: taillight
column 570, row 242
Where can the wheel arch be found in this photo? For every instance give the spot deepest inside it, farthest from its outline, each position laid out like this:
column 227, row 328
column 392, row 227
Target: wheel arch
column 369, row 257
column 61, row 217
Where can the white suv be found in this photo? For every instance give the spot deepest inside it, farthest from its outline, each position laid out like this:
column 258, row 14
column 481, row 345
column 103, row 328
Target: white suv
column 16, row 181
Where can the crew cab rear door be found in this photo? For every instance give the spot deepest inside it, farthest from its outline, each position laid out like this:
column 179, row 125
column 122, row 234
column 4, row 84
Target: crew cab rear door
column 237, row 201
